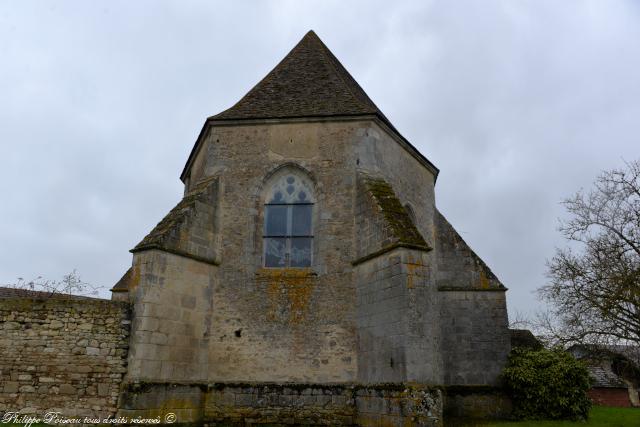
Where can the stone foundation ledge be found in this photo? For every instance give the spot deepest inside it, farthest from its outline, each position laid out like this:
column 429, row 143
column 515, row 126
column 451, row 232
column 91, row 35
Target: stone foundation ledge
column 238, row 404
column 478, row 402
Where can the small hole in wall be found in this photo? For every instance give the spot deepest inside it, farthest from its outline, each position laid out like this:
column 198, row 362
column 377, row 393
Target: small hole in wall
column 357, row 161
column 391, row 362
column 238, row 333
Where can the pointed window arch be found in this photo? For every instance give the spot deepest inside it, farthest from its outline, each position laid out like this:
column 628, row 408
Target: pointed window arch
column 288, row 220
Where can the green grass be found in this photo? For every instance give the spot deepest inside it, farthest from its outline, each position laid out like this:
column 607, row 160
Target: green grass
column 599, row 416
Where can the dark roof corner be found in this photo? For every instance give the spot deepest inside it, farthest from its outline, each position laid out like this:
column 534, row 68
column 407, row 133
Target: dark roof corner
column 123, row 284
column 524, row 338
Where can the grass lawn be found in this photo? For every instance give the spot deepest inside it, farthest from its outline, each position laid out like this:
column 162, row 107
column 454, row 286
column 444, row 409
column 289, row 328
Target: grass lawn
column 599, row 416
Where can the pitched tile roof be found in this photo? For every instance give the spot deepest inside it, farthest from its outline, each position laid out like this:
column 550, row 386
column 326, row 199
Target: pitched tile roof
column 604, row 377
column 308, row 82
column 123, row 284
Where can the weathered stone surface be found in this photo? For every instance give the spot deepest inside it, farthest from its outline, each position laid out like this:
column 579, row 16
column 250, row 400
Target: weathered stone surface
column 392, row 293
column 10, row 387
column 373, row 306
column 93, row 351
column 40, row 367
column 398, row 404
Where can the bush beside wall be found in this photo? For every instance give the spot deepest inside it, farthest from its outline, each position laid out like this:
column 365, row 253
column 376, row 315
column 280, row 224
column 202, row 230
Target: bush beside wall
column 547, row 384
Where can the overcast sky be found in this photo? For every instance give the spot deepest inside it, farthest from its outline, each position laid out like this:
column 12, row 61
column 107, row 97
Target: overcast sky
column 518, row 103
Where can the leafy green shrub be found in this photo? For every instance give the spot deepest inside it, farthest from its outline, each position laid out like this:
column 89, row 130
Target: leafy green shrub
column 547, row 384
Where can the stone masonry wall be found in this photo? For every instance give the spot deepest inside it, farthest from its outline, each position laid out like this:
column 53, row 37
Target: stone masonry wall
column 231, row 404
column 378, row 153
column 287, row 324
column 172, row 305
column 473, row 309
column 475, row 336
column 67, row 355
column 398, row 319
column 381, row 312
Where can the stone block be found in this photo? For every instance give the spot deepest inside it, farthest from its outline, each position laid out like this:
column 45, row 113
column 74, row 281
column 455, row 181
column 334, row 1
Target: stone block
column 56, row 324
column 103, row 389
column 93, row 351
column 67, row 389
column 11, row 387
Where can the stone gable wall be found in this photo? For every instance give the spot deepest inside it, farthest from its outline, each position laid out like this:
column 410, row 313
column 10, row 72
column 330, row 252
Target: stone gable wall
column 281, row 324
column 66, row 355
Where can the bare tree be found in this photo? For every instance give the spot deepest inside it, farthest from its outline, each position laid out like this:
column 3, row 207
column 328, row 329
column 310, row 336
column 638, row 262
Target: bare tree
column 71, row 284
column 594, row 287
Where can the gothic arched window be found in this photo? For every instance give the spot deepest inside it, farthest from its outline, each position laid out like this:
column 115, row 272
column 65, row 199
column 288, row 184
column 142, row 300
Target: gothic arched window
column 288, row 228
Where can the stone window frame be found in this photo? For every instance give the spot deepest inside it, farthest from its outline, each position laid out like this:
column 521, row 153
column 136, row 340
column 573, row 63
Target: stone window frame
column 288, row 168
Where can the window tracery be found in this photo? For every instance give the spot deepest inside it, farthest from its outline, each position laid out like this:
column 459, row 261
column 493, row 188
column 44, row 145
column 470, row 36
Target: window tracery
column 288, row 228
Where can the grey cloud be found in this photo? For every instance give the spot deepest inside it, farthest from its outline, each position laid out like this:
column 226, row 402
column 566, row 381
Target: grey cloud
column 519, row 104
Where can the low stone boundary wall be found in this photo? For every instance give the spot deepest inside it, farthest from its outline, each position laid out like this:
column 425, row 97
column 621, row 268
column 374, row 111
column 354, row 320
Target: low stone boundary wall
column 232, row 404
column 62, row 354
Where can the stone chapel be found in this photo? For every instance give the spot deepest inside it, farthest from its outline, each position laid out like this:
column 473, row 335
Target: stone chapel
column 307, row 276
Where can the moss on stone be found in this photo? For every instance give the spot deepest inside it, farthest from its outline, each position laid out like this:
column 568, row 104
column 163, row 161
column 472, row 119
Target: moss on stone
column 396, row 216
column 169, row 227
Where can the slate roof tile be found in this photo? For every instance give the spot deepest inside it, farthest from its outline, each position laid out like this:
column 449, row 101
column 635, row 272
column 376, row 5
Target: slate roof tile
column 308, row 82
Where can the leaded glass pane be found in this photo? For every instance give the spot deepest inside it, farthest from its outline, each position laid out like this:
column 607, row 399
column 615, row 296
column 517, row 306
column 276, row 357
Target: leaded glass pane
column 301, row 220
column 275, row 252
column 276, row 220
column 288, row 217
column 290, row 189
column 300, row 252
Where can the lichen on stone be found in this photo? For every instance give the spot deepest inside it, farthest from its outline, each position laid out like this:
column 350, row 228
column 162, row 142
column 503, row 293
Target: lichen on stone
column 291, row 287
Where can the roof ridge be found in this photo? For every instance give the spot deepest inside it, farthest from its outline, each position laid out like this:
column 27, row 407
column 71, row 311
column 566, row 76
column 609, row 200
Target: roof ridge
column 259, row 82
column 308, row 82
